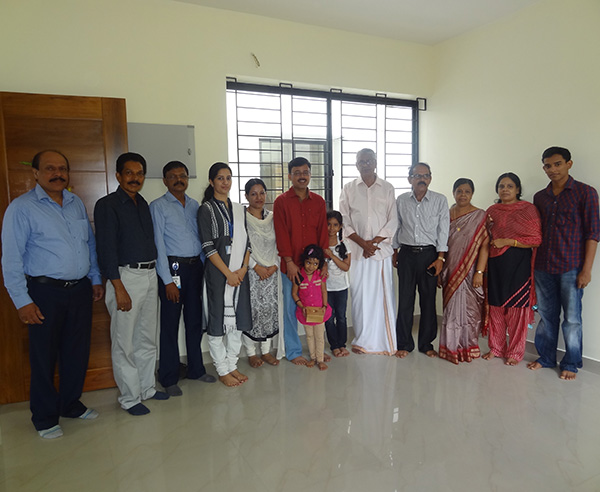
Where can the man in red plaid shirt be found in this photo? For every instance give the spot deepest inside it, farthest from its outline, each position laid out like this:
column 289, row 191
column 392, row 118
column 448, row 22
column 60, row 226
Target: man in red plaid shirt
column 563, row 266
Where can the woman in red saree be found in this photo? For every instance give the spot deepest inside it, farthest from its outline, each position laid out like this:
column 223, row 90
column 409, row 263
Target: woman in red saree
column 462, row 277
column 515, row 231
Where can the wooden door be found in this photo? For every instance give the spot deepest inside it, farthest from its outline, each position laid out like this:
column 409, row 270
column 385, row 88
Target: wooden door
column 92, row 133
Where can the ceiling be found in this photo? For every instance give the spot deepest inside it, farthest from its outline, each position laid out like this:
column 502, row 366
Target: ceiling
column 419, row 21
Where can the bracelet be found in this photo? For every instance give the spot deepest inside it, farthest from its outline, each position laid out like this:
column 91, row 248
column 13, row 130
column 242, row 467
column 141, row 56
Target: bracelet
column 515, row 245
column 479, row 271
column 245, row 265
column 441, row 258
column 297, row 302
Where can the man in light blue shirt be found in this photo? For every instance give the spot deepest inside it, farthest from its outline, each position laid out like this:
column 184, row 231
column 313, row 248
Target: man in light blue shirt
column 422, row 236
column 180, row 270
column 51, row 273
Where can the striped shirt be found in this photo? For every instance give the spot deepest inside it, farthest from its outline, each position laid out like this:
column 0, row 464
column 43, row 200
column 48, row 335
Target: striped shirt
column 569, row 219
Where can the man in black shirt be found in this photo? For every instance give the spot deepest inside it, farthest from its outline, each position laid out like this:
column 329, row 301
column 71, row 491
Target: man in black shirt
column 127, row 258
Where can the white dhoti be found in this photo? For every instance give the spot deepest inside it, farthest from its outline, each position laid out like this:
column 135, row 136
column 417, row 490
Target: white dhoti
column 373, row 306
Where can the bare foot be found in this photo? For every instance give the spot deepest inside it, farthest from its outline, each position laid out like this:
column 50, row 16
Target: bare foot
column 401, row 354
column 534, row 366
column 242, row 378
column 326, row 357
column 299, row 361
column 357, row 350
column 255, row 361
column 337, row 353
column 488, row 356
column 322, row 366
column 310, row 363
column 431, row 353
column 511, row 362
column 229, row 380
column 568, row 375
column 345, row 353
column 269, row 359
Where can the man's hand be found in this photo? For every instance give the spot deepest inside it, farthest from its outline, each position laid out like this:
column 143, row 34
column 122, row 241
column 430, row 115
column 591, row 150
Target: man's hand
column 438, row 264
column 97, row 292
column 395, row 259
column 370, row 247
column 172, row 292
column 123, row 299
column 583, row 279
column 293, row 272
column 30, row 314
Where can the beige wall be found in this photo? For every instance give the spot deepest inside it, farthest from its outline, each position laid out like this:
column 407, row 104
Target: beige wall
column 497, row 96
column 506, row 92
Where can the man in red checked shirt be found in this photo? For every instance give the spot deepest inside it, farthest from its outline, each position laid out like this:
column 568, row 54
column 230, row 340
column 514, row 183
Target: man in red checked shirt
column 563, row 266
column 300, row 219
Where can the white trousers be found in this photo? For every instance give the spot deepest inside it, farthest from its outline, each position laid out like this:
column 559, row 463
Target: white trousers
column 250, row 346
column 133, row 336
column 225, row 350
column 373, row 306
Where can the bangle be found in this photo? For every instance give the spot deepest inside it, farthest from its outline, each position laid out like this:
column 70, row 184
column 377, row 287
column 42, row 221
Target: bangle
column 515, row 245
column 288, row 261
column 441, row 258
column 479, row 271
column 245, row 265
column 297, row 301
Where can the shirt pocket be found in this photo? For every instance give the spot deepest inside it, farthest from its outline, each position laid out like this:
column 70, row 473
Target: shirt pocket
column 79, row 229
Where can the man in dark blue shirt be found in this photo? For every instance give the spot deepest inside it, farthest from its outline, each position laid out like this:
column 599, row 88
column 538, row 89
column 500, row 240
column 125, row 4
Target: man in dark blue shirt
column 127, row 258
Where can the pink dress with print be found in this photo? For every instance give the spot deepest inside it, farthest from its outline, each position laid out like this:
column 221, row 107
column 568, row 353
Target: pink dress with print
column 309, row 292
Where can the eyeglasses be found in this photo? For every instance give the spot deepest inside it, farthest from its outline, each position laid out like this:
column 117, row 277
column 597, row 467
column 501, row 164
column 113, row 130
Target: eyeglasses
column 297, row 174
column 421, row 176
column 366, row 162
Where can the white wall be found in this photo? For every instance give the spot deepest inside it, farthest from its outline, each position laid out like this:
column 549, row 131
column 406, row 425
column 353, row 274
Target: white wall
column 170, row 60
column 506, row 92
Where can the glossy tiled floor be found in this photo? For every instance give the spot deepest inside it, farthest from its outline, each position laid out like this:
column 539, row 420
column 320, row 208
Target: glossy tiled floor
column 369, row 423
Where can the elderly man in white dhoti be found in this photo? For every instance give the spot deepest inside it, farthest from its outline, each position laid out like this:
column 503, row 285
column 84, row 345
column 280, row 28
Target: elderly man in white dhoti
column 368, row 207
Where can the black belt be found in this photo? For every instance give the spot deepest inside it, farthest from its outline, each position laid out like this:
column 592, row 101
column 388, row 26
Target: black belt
column 149, row 265
column 188, row 260
column 417, row 249
column 65, row 284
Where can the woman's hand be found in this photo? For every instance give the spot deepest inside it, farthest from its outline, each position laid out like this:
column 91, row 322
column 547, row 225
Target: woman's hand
column 477, row 279
column 502, row 242
column 262, row 272
column 328, row 252
column 233, row 279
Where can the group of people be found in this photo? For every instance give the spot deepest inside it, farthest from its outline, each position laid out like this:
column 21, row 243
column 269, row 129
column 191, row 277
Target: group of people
column 246, row 275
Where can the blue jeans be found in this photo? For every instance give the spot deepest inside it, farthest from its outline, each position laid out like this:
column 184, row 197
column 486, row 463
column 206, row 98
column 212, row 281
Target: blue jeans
column 553, row 292
column 337, row 326
column 293, row 346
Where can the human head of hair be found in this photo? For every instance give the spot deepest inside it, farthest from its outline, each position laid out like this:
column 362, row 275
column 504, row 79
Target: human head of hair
column 334, row 214
column 462, row 181
column 313, row 251
column 169, row 166
column 130, row 156
column 550, row 151
column 35, row 162
column 209, row 192
column 297, row 162
column 253, row 182
column 416, row 164
column 515, row 179
column 366, row 151
column 340, row 248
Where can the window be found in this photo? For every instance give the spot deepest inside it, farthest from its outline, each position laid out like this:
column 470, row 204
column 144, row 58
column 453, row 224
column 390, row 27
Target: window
column 269, row 126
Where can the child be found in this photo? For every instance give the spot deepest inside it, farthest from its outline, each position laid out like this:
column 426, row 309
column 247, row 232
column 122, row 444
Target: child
column 338, row 259
column 312, row 292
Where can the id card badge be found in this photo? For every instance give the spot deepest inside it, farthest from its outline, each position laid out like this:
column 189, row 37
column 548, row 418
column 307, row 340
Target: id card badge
column 177, row 281
column 176, row 277
column 228, row 249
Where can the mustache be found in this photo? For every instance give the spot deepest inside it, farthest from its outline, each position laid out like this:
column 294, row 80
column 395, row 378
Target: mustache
column 134, row 182
column 422, row 183
column 179, row 183
column 58, row 178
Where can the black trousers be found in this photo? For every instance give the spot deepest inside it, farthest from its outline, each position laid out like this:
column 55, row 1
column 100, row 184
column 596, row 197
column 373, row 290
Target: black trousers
column 337, row 326
column 190, row 302
column 63, row 336
column 412, row 275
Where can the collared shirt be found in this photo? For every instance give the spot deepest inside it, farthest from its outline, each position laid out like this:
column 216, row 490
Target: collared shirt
column 423, row 223
column 41, row 238
column 124, row 232
column 369, row 211
column 175, row 231
column 569, row 219
column 298, row 224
